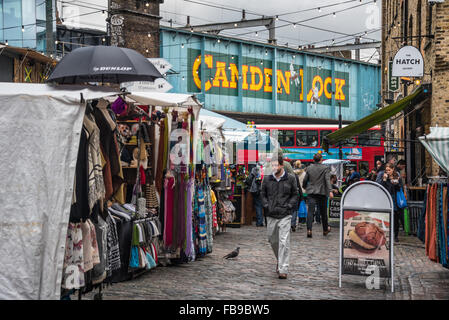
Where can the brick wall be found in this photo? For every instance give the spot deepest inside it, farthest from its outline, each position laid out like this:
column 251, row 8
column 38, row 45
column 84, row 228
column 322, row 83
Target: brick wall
column 434, row 21
column 131, row 24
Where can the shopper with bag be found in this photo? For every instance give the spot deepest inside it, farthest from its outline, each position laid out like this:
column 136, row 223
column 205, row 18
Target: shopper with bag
column 301, row 213
column 393, row 183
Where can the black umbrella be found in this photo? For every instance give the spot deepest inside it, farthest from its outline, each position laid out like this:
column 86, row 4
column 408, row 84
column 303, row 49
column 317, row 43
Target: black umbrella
column 103, row 64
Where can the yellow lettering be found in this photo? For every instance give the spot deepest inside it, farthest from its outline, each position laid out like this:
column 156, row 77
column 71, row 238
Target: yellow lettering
column 328, row 82
column 220, row 74
column 320, row 92
column 234, row 76
column 284, row 80
column 195, row 71
column 253, row 86
column 268, row 73
column 339, row 83
column 245, row 79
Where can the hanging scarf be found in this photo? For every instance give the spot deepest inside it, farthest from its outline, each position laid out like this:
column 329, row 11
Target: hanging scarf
column 160, row 158
column 176, row 205
column 188, row 242
column 181, row 211
column 202, row 233
column 209, row 220
column 168, row 218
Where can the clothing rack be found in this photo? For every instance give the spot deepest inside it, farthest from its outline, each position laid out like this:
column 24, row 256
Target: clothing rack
column 144, row 219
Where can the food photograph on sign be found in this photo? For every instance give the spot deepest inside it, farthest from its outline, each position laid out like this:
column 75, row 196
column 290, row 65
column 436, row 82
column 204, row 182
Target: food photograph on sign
column 366, row 242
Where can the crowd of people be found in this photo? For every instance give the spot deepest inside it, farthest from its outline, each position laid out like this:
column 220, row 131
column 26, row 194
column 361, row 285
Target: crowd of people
column 281, row 191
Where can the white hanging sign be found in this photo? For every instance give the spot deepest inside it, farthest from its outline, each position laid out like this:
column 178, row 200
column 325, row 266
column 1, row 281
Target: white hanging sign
column 408, row 62
column 158, row 85
column 160, row 64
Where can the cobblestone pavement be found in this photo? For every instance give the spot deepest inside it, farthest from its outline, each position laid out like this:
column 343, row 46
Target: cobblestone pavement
column 313, row 272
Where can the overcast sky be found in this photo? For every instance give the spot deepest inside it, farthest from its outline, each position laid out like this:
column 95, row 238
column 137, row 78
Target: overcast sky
column 364, row 17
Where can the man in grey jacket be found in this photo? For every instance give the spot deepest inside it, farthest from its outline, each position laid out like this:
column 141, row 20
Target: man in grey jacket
column 279, row 198
column 318, row 187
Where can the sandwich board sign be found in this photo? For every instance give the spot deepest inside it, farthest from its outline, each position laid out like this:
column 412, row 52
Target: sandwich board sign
column 366, row 233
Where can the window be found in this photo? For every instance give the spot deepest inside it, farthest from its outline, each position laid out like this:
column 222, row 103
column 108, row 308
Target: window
column 370, row 138
column 324, row 133
column 351, row 142
column 286, row 138
column 363, row 168
column 307, row 138
column 12, row 22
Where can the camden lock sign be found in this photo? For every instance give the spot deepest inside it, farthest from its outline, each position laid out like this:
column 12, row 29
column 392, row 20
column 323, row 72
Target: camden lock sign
column 255, row 77
column 408, row 62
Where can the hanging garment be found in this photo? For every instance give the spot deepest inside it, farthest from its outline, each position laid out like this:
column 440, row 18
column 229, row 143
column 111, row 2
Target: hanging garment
column 151, row 196
column 95, row 169
column 181, row 211
column 94, row 243
column 188, row 242
column 73, row 268
column 160, row 157
column 202, row 233
column 134, row 259
column 209, row 220
column 79, row 211
column 175, row 219
column 150, row 261
column 168, row 217
column 113, row 250
column 112, row 171
column 433, row 231
column 214, row 216
column 87, row 246
column 445, row 225
column 100, row 270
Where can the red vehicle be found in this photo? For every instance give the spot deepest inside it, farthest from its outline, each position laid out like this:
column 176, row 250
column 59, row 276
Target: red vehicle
column 301, row 142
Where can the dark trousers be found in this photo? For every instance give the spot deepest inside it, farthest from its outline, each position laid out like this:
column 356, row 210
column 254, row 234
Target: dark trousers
column 313, row 201
column 398, row 217
column 257, row 200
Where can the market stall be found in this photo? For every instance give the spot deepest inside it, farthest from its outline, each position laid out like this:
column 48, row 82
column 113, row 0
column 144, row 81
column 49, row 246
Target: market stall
column 80, row 211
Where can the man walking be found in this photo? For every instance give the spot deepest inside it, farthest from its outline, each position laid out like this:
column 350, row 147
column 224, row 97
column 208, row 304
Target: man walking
column 279, row 198
column 318, row 188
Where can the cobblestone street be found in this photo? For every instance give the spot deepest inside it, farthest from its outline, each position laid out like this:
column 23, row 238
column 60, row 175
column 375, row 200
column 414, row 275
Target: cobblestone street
column 313, row 272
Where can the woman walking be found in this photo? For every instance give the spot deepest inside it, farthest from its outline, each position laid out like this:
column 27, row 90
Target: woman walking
column 393, row 183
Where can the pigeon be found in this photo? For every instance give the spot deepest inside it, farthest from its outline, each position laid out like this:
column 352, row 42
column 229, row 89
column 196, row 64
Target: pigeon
column 233, row 254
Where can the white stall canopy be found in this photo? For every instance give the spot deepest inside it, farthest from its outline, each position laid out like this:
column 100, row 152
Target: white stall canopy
column 40, row 126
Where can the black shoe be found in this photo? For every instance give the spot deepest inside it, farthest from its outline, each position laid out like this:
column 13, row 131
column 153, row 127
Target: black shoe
column 396, row 240
column 293, row 229
column 309, row 233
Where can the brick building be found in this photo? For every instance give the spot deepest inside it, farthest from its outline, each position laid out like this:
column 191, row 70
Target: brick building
column 135, row 25
column 425, row 25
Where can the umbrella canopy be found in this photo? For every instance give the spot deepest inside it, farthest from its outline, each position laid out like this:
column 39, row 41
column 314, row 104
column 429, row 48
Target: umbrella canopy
column 103, row 64
column 437, row 144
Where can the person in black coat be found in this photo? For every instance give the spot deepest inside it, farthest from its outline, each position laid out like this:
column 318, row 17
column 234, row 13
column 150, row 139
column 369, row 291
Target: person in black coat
column 279, row 199
column 391, row 181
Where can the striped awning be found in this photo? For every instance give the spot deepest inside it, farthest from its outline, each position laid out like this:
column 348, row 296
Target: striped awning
column 437, row 144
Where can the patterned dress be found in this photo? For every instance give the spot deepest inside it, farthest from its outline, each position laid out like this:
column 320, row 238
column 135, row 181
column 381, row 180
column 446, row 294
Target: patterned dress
column 202, row 233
